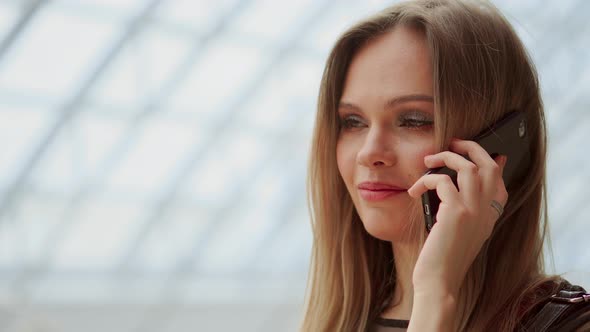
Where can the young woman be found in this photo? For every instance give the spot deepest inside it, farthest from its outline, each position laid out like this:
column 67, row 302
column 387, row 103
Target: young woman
column 401, row 93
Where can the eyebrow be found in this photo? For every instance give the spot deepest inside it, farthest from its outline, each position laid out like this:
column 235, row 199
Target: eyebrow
column 394, row 101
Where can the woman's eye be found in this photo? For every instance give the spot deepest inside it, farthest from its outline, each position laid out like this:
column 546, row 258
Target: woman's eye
column 416, row 123
column 349, row 122
column 415, row 120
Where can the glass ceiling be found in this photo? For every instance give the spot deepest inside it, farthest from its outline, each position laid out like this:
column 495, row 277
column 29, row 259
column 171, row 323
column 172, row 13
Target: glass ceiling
column 153, row 153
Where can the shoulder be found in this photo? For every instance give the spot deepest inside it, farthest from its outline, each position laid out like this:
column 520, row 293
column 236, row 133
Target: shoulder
column 576, row 312
column 566, row 310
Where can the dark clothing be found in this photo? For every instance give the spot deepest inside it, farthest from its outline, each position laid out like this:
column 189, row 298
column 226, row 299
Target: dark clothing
column 389, row 325
column 575, row 318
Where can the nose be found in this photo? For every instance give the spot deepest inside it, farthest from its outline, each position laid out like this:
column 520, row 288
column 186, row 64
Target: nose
column 377, row 150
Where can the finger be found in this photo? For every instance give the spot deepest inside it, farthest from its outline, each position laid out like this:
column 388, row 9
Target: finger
column 442, row 183
column 488, row 168
column 476, row 152
column 467, row 174
column 503, row 162
column 501, row 192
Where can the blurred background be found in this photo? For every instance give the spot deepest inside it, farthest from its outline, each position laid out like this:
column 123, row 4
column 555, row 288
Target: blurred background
column 153, row 156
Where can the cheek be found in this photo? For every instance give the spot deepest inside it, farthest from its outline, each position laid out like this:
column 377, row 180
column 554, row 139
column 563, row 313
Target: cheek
column 346, row 153
column 345, row 160
column 415, row 161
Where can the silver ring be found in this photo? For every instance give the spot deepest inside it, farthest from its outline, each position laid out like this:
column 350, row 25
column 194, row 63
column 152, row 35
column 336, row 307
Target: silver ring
column 498, row 207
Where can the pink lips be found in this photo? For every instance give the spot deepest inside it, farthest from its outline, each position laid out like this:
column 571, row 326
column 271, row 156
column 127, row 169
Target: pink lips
column 377, row 191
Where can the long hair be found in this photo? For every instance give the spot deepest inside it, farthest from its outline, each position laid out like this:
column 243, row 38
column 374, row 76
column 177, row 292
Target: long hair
column 481, row 71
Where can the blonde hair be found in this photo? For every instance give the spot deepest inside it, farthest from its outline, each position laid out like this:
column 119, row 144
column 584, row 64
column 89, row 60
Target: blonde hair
column 480, row 71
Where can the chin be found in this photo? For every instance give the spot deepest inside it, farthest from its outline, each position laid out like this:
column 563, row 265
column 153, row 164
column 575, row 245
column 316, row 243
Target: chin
column 386, row 227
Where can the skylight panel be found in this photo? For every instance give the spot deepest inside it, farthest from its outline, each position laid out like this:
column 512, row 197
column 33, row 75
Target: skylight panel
column 54, row 54
column 99, row 237
column 141, row 72
column 155, row 154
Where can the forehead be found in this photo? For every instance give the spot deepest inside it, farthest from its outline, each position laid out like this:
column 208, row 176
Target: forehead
column 393, row 64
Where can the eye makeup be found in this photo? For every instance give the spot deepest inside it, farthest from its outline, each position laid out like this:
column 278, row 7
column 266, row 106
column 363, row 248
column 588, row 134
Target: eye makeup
column 411, row 119
column 415, row 119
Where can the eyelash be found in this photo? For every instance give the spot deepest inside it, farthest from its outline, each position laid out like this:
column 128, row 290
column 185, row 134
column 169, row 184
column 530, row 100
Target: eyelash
column 348, row 122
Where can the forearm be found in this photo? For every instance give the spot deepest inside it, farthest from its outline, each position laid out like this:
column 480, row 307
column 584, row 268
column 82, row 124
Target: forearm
column 433, row 312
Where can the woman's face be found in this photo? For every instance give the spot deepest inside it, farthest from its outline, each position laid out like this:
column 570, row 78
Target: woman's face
column 386, row 116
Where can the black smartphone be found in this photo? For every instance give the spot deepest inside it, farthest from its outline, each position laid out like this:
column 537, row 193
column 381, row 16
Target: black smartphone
column 508, row 136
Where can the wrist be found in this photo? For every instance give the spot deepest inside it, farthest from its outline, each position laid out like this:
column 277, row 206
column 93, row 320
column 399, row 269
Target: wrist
column 433, row 311
column 435, row 289
column 436, row 299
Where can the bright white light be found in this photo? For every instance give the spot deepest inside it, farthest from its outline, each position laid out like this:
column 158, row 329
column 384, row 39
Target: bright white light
column 224, row 69
column 154, row 156
column 20, row 132
column 55, row 54
column 140, row 72
column 100, row 235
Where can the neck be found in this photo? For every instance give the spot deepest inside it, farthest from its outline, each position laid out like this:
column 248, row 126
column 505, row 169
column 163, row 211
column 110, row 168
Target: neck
column 405, row 255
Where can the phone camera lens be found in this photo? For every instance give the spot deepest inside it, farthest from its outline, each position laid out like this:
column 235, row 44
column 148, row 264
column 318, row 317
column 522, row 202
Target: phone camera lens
column 522, row 129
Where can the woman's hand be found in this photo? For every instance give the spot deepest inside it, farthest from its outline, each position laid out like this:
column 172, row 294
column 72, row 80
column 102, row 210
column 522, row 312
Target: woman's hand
column 465, row 217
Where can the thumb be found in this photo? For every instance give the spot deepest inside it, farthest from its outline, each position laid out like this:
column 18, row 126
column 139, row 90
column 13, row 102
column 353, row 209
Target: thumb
column 503, row 160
